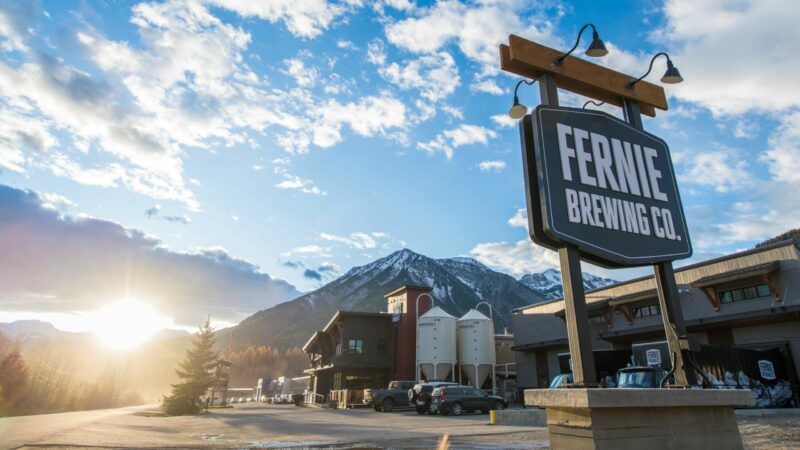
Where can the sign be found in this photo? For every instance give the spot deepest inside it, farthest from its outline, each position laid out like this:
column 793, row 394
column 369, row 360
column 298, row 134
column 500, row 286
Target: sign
column 767, row 369
column 606, row 187
column 653, row 356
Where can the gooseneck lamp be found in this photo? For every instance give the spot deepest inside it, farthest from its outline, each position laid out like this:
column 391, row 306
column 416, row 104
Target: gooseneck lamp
column 671, row 76
column 518, row 110
column 596, row 49
column 593, row 103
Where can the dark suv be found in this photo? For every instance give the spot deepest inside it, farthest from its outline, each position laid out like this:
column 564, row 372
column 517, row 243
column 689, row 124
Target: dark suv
column 420, row 395
column 458, row 399
column 640, row 377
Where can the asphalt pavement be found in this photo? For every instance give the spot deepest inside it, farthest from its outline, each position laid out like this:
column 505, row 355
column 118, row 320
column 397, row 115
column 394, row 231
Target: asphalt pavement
column 263, row 426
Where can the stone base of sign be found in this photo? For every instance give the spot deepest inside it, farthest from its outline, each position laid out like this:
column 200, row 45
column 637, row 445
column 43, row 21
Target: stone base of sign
column 650, row 419
column 531, row 417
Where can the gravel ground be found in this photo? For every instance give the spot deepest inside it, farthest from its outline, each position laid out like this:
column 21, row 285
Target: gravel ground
column 779, row 430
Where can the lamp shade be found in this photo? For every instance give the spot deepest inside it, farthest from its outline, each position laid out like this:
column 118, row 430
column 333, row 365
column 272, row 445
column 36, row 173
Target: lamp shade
column 597, row 48
column 517, row 111
column 672, row 75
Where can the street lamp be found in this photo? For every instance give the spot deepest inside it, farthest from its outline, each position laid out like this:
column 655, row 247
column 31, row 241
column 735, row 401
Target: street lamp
column 596, row 49
column 518, row 110
column 671, row 76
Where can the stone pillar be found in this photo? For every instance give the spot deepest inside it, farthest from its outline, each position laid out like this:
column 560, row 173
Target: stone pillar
column 651, row 419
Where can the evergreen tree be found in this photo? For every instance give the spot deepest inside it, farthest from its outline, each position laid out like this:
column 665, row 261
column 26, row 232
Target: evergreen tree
column 196, row 374
column 13, row 379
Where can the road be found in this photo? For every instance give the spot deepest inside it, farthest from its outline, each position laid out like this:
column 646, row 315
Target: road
column 263, row 426
column 285, row 426
column 16, row 431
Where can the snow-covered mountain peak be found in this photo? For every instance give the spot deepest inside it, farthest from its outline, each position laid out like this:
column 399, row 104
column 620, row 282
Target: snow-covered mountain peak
column 548, row 282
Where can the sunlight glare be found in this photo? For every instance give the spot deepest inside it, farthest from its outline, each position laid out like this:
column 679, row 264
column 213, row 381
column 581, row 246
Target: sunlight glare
column 127, row 323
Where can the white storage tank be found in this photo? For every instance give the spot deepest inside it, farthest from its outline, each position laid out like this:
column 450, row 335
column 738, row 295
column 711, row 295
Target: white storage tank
column 476, row 354
column 436, row 344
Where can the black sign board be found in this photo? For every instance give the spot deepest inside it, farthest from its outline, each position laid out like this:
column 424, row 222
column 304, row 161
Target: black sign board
column 603, row 186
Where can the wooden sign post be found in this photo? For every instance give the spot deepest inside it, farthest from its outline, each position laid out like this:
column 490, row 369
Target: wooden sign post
column 535, row 61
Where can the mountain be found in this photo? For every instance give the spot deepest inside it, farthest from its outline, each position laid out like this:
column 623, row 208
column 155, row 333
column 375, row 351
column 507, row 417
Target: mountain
column 29, row 329
column 458, row 284
column 548, row 283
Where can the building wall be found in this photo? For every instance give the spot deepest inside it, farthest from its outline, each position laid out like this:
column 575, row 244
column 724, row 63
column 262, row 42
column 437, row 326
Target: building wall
column 403, row 333
column 539, row 323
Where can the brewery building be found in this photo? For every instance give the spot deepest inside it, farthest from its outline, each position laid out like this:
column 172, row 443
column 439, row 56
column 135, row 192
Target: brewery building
column 743, row 311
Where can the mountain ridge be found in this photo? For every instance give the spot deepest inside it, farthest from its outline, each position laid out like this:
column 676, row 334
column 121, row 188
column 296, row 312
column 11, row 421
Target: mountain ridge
column 457, row 284
column 548, row 282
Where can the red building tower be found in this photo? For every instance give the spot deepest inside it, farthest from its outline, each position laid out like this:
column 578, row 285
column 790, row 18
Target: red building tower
column 402, row 346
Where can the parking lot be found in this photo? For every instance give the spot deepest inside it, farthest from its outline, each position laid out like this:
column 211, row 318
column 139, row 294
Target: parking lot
column 287, row 426
column 282, row 426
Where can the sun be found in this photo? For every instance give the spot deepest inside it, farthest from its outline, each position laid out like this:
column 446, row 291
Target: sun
column 127, row 323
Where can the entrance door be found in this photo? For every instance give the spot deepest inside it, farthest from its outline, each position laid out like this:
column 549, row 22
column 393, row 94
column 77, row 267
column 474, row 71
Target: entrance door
column 542, row 374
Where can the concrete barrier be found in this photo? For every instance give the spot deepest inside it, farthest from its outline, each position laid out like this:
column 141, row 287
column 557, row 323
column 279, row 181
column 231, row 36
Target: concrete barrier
column 533, row 417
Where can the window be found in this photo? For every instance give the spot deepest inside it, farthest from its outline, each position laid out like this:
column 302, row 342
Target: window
column 355, row 346
column 646, row 311
column 339, row 348
column 397, row 312
column 358, row 382
column 744, row 293
column 381, row 346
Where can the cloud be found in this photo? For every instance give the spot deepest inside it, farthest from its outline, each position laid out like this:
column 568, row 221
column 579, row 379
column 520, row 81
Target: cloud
column 783, row 156
column 376, row 52
column 155, row 211
column 435, row 75
column 304, row 76
column 745, row 129
column 312, row 275
column 477, row 29
column 54, row 201
column 308, row 250
column 303, row 18
column 357, row 240
column 303, row 185
column 487, row 86
column 517, row 258
column 462, row 135
column 143, row 107
column 492, row 166
column 520, row 219
column 179, row 218
column 152, row 211
column 326, row 270
column 727, row 70
column 329, row 267
column 503, row 121
column 721, row 170
column 68, row 263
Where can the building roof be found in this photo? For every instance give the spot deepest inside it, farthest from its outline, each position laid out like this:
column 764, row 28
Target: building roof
column 408, row 287
column 338, row 315
column 788, row 242
column 733, row 275
column 632, row 298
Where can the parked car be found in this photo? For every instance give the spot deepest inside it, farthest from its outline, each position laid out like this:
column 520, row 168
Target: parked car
column 282, row 399
column 419, row 396
column 560, row 381
column 386, row 399
column 456, row 400
column 640, row 377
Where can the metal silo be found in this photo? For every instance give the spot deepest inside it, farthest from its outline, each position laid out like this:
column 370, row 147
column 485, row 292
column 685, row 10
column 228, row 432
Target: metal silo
column 476, row 353
column 436, row 344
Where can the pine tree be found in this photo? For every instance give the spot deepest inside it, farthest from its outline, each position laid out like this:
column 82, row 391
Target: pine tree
column 196, row 374
column 13, row 379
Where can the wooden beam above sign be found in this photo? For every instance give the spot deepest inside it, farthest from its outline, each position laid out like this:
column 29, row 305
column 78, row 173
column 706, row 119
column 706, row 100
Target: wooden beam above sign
column 529, row 59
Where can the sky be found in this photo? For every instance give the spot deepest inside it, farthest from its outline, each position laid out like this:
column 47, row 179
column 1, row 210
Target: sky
column 221, row 156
